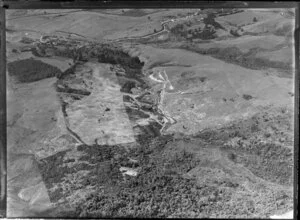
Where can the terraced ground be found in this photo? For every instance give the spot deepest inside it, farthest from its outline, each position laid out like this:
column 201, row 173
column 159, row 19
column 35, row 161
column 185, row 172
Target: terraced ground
column 150, row 127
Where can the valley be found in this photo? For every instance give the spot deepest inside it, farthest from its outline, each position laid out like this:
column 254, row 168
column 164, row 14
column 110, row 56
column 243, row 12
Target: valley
column 194, row 120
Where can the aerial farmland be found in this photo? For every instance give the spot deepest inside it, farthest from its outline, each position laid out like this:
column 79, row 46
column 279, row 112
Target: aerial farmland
column 150, row 113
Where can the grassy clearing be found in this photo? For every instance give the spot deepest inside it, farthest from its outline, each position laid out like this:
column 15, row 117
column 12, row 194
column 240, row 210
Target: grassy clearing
column 30, row 70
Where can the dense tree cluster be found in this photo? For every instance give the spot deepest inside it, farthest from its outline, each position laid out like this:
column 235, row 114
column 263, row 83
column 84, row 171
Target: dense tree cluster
column 30, row 70
column 206, row 33
column 117, row 56
column 158, row 191
column 234, row 33
column 180, row 30
column 210, row 20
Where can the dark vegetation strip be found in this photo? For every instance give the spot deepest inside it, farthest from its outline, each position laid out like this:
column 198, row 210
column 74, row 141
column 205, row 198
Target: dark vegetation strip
column 134, row 13
column 75, row 135
column 236, row 56
column 67, row 89
column 63, row 109
column 30, row 70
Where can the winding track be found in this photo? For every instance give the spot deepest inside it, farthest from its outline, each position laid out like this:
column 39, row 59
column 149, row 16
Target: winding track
column 168, row 119
column 163, row 29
